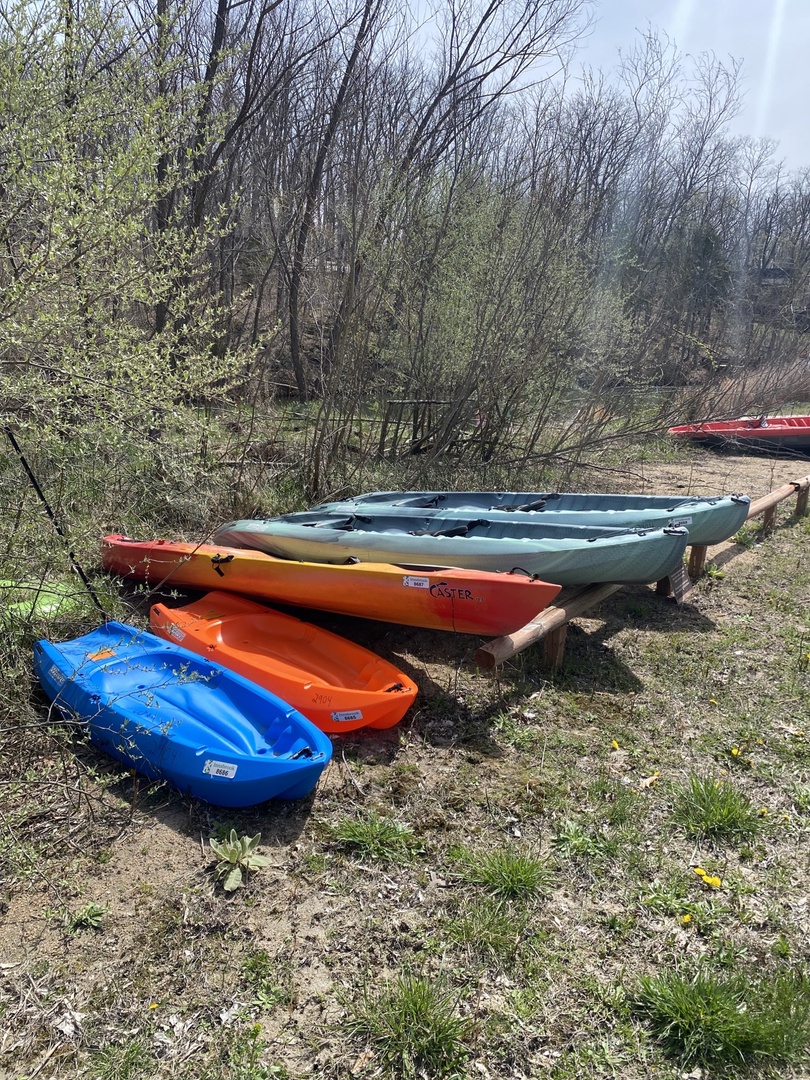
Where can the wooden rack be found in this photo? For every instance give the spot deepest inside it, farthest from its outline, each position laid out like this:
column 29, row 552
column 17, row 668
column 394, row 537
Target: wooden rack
column 551, row 625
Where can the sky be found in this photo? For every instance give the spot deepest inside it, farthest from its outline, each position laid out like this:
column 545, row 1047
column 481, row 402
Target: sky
column 771, row 37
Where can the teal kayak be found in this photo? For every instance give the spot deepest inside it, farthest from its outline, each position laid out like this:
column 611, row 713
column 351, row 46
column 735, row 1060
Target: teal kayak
column 562, row 554
column 709, row 519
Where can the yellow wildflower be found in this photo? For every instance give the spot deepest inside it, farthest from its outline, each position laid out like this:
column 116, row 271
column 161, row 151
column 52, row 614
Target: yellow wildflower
column 686, row 919
column 712, row 882
column 712, row 701
column 614, row 745
column 735, row 751
column 763, row 811
column 699, row 871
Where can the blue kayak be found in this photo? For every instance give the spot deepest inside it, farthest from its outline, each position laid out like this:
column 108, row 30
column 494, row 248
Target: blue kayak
column 710, row 519
column 172, row 715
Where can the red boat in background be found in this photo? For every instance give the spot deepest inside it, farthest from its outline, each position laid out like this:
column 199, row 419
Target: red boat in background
column 773, row 433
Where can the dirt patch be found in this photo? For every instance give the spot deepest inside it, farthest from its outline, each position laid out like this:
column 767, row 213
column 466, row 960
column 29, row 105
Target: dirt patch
column 706, row 473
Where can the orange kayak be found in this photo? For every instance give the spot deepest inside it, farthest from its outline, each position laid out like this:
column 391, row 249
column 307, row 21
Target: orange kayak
column 336, row 684
column 466, row 601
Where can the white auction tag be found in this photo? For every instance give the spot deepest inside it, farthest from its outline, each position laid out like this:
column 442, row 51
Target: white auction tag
column 343, row 717
column 411, row 582
column 220, row 768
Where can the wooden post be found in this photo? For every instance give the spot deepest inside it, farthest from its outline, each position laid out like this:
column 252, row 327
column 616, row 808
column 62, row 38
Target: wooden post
column 801, row 499
column 697, row 560
column 554, row 646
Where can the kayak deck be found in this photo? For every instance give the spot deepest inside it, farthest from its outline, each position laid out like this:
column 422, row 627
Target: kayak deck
column 336, row 684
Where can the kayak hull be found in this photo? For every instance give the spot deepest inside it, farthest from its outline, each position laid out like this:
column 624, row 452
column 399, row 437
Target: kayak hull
column 172, row 715
column 769, row 434
column 566, row 555
column 436, row 598
column 337, row 685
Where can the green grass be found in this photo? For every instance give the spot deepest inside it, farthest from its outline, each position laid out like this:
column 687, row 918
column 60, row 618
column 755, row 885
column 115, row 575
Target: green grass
column 493, row 930
column 412, row 1026
column 270, row 979
column 507, row 873
column 706, row 1018
column 245, row 1056
column 374, row 837
column 571, row 840
column 123, row 1061
column 714, row 810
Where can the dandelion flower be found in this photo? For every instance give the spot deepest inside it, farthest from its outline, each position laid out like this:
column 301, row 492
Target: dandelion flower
column 712, row 882
column 763, row 811
column 686, row 919
column 699, row 871
column 614, row 745
column 735, row 751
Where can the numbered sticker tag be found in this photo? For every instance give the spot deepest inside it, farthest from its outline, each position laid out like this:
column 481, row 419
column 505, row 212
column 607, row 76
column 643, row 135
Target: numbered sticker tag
column 344, row 717
column 681, row 521
column 411, row 582
column 220, row 768
column 176, row 632
column 56, row 675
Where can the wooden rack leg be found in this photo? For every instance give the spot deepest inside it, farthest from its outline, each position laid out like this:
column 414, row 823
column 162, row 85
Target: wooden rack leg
column 554, row 646
column 697, row 560
column 768, row 519
column 663, row 587
column 801, row 498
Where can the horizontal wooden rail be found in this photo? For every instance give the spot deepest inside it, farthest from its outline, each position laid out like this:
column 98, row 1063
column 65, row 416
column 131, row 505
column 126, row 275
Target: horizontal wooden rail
column 553, row 618
column 768, row 503
column 767, row 507
column 551, row 625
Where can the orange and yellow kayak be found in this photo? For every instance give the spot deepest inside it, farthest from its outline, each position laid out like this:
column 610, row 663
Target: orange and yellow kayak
column 439, row 598
column 336, row 684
